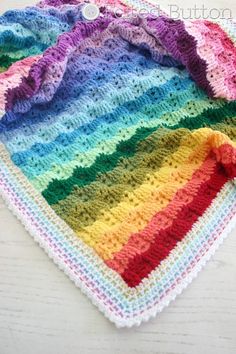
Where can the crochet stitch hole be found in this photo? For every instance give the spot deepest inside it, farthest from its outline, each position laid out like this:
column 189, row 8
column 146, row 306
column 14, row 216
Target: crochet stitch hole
column 89, row 137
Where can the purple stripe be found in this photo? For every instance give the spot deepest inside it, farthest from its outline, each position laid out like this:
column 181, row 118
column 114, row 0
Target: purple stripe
column 65, row 44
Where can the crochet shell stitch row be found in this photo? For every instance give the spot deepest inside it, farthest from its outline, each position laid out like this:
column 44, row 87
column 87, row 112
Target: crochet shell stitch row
column 117, row 146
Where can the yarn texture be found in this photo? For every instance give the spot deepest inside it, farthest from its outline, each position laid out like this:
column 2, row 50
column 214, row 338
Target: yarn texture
column 118, row 146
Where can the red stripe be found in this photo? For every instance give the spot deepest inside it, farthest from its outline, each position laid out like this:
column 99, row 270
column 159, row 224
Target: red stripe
column 226, row 155
column 165, row 240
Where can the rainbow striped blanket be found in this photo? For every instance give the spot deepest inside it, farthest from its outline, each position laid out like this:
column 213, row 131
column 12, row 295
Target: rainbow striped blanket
column 117, row 145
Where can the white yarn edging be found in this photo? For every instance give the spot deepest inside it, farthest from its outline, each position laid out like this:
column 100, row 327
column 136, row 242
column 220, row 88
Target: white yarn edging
column 144, row 317
column 154, row 310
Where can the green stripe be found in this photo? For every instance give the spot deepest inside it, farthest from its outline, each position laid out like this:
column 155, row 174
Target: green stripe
column 59, row 189
column 84, row 204
column 6, row 61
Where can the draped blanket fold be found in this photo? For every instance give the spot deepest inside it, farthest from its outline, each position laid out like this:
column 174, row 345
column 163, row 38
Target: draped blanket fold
column 117, row 146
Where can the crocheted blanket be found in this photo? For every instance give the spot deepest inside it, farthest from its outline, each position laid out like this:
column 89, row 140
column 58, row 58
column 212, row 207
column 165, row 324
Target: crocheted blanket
column 118, row 145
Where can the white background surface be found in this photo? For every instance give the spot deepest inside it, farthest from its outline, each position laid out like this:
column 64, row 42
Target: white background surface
column 41, row 311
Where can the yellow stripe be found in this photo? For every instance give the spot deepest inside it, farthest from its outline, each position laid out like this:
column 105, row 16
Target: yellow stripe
column 112, row 230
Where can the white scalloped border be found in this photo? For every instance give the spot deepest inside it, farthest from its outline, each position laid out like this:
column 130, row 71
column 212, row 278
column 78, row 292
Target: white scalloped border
column 155, row 309
column 119, row 322
column 137, row 321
